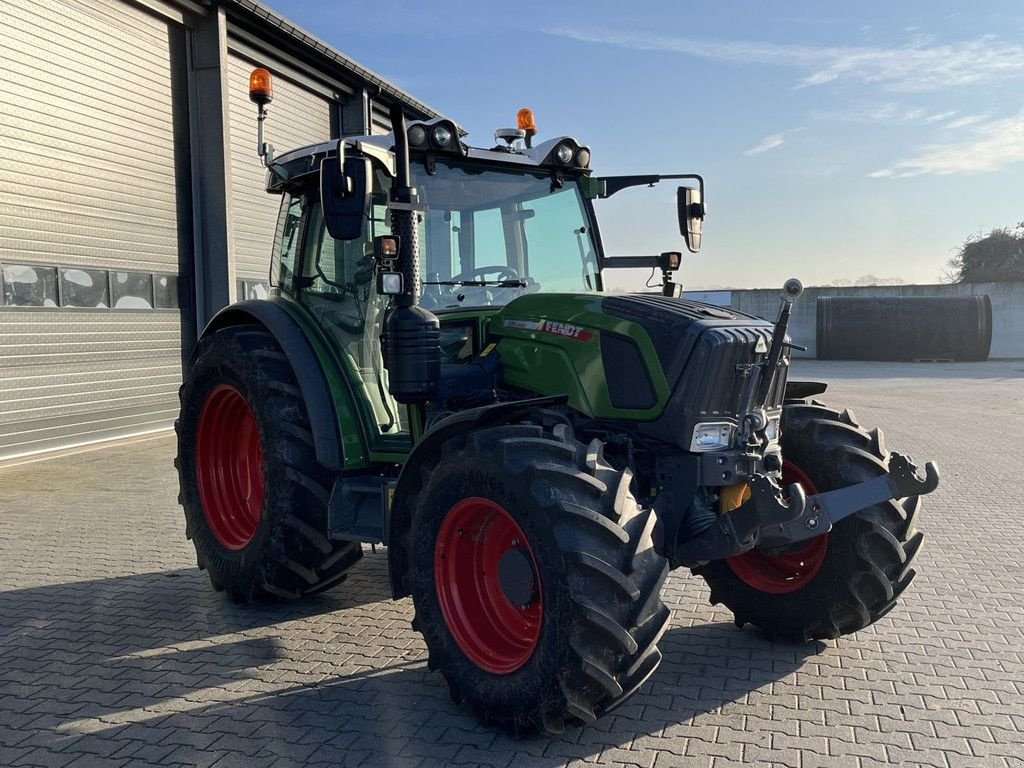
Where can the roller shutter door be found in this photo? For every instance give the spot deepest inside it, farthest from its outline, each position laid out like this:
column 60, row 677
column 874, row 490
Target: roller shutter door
column 297, row 118
column 89, row 213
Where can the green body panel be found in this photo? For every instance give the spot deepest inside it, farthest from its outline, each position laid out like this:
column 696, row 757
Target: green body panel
column 339, row 374
column 550, row 344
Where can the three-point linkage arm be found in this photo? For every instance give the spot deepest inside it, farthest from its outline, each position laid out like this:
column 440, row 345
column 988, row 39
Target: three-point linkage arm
column 769, row 521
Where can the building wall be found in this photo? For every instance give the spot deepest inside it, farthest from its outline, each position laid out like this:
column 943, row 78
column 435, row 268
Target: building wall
column 1007, row 309
column 297, row 118
column 131, row 195
column 92, row 222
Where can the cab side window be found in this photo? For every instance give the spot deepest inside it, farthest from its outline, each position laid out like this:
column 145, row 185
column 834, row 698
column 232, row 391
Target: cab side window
column 286, row 242
column 340, row 271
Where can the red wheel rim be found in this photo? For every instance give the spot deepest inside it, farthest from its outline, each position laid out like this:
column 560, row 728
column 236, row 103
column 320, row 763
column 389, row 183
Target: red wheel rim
column 229, row 467
column 789, row 571
column 494, row 633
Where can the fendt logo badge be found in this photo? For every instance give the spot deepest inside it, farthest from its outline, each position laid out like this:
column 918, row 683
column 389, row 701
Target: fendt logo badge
column 547, row 326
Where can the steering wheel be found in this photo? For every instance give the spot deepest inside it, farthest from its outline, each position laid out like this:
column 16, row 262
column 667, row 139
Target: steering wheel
column 502, row 271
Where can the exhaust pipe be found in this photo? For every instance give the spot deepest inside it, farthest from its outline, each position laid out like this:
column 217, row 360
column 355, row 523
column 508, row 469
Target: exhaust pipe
column 412, row 335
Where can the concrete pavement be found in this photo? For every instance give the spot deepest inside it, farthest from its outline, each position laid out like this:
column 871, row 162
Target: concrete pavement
column 114, row 650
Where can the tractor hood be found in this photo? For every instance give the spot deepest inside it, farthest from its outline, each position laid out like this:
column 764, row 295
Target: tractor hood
column 669, row 363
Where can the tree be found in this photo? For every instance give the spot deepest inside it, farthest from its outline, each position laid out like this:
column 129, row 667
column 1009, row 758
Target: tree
column 998, row 257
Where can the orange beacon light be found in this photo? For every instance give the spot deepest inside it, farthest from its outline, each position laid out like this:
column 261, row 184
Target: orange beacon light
column 525, row 123
column 261, row 87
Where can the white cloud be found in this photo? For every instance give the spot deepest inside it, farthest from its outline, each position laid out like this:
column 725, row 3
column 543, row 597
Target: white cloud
column 965, row 121
column 991, row 146
column 767, row 143
column 889, row 113
column 920, row 65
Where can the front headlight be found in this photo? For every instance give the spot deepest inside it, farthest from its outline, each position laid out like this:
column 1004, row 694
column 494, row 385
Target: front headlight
column 712, row 436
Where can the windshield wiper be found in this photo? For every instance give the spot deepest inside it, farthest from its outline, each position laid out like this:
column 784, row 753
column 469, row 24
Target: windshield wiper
column 518, row 283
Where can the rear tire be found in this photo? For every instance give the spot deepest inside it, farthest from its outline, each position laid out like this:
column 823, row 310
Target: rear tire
column 254, row 495
column 865, row 562
column 590, row 626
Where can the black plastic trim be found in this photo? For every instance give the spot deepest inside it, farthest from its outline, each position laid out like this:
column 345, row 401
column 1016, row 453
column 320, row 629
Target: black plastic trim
column 800, row 390
column 312, row 382
column 629, row 381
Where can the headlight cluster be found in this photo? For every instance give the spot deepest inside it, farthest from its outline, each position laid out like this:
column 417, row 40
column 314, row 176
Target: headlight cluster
column 712, row 436
column 719, row 435
column 570, row 154
column 440, row 136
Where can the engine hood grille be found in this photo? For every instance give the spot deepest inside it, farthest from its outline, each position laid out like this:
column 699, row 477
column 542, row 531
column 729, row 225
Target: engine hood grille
column 706, row 353
column 675, row 326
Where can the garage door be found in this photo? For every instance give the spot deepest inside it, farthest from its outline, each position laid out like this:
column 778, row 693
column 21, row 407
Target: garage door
column 297, row 118
column 90, row 224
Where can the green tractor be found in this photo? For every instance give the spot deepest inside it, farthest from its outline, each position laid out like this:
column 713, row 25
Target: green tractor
column 437, row 369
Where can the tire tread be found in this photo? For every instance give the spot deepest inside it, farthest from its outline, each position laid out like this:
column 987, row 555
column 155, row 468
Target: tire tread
column 878, row 544
column 296, row 558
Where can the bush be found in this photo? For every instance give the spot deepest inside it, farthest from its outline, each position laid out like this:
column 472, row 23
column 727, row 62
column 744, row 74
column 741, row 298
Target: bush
column 998, row 257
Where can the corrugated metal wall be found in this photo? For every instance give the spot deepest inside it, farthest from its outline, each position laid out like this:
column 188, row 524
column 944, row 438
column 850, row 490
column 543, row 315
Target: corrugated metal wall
column 381, row 121
column 88, row 179
column 297, row 118
column 101, row 376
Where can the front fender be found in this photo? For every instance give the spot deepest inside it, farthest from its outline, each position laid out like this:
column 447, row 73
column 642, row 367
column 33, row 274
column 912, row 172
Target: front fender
column 429, row 446
column 801, row 390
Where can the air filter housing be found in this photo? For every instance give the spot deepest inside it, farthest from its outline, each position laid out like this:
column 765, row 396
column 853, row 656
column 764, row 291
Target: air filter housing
column 412, row 354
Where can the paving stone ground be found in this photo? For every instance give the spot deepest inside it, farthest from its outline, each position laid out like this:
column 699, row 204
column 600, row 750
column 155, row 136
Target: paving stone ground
column 114, row 650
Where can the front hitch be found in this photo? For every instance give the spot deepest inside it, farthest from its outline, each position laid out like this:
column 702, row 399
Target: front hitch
column 771, row 521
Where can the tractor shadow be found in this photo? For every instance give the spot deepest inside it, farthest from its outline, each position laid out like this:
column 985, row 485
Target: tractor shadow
column 163, row 655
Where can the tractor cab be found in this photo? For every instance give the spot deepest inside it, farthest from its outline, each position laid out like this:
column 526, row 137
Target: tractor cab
column 492, row 225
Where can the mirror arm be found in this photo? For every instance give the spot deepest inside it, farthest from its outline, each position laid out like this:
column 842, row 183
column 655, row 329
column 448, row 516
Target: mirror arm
column 630, row 262
column 613, row 184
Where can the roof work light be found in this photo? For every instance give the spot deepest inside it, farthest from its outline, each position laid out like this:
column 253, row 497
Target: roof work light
column 436, row 135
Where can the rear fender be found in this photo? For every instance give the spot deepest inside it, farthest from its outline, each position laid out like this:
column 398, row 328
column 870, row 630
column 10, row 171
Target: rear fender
column 426, row 450
column 320, row 404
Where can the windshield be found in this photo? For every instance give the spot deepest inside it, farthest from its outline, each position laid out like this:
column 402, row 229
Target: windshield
column 490, row 235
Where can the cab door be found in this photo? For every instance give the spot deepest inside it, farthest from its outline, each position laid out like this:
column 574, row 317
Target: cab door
column 337, row 285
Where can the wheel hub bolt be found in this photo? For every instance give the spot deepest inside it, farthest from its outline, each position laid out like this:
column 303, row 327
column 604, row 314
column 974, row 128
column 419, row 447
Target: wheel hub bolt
column 812, row 523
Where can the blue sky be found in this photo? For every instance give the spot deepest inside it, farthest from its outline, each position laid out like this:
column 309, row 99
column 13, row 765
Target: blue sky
column 836, row 140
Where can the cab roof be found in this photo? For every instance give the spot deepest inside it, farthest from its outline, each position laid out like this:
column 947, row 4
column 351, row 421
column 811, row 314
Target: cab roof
column 305, row 160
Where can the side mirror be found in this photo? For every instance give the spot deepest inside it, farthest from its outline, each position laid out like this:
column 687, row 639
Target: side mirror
column 690, row 205
column 345, row 196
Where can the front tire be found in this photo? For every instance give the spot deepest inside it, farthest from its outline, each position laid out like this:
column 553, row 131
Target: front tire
column 839, row 582
column 534, row 577
column 254, row 495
